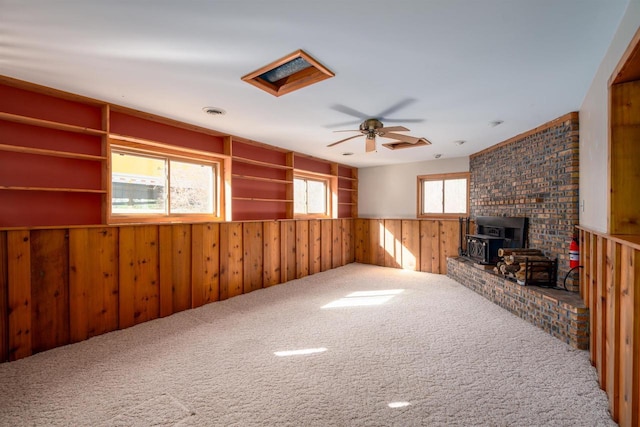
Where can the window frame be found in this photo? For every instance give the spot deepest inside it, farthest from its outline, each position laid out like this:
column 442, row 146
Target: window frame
column 169, row 153
column 441, row 177
column 331, row 194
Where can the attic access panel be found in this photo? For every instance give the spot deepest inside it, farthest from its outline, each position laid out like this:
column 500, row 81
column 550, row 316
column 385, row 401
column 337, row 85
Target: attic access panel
column 289, row 73
column 400, row 145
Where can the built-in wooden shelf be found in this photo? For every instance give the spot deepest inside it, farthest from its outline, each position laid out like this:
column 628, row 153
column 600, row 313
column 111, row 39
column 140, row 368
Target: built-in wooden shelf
column 49, row 124
column 257, row 199
column 348, row 178
column 260, row 178
column 261, row 163
column 346, row 189
column 53, row 153
column 346, row 203
column 54, row 189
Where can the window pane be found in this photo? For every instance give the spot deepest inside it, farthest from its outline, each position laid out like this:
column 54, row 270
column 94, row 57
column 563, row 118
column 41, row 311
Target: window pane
column 432, row 197
column 299, row 196
column 316, row 197
column 137, row 184
column 192, row 187
column 455, row 196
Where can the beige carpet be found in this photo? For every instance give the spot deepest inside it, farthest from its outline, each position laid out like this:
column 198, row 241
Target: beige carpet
column 355, row 346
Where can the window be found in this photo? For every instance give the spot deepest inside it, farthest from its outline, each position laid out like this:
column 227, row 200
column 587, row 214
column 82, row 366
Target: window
column 443, row 195
column 163, row 186
column 311, row 196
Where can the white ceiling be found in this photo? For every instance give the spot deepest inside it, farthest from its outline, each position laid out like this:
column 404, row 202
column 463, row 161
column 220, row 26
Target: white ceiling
column 464, row 63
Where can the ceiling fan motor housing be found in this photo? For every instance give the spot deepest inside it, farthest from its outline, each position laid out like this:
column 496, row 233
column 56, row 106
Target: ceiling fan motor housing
column 370, row 125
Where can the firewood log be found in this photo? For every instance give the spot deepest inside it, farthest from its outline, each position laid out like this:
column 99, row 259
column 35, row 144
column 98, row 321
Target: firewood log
column 516, row 259
column 537, row 276
column 519, row 251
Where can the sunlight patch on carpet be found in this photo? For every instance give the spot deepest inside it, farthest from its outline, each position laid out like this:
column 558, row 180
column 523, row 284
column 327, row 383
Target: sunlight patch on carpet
column 398, row 404
column 364, row 298
column 300, row 352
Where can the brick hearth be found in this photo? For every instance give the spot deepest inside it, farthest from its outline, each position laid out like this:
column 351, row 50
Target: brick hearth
column 558, row 312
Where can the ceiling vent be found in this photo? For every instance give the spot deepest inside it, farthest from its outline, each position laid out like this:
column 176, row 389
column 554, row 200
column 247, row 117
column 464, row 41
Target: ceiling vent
column 399, row 145
column 290, row 73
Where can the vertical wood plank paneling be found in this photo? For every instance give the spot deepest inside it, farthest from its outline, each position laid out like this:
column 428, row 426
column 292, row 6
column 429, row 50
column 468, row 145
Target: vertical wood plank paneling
column 139, row 275
column 302, row 248
column 231, row 267
column 429, row 246
column 600, row 327
column 166, row 270
column 175, row 265
column 583, row 261
column 362, row 241
column 315, row 247
column 253, row 260
column 377, row 235
column 49, row 289
column 336, row 243
column 271, row 253
column 205, row 263
column 392, row 243
column 449, row 241
column 348, row 248
column 19, row 293
column 93, row 282
column 411, row 245
column 326, row 242
column 586, row 247
column 629, row 336
column 591, row 302
column 287, row 250
column 612, row 343
column 4, row 313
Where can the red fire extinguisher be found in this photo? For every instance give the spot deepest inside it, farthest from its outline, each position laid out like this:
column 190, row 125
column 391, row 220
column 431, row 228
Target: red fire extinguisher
column 574, row 253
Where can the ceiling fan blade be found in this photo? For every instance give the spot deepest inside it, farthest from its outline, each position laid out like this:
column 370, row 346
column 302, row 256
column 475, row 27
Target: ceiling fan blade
column 393, row 129
column 350, row 111
column 343, row 140
column 403, row 138
column 395, row 108
column 371, row 145
column 341, row 124
column 403, row 120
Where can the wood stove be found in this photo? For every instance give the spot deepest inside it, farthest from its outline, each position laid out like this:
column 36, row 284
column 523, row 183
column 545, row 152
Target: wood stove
column 493, row 233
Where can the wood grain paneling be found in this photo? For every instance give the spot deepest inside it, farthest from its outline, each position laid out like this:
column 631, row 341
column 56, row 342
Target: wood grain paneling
column 231, row 253
column 326, row 258
column 429, row 246
column 315, row 246
column 19, row 293
column 49, row 289
column 287, row 251
column 411, row 245
column 93, row 282
column 205, row 263
column 4, row 312
column 611, row 288
column 361, row 237
column 253, row 259
column 66, row 285
column 271, row 253
column 175, row 268
column 139, row 275
column 302, row 248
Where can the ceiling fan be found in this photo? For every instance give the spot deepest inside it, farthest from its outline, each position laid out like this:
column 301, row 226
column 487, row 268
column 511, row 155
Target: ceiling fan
column 372, row 127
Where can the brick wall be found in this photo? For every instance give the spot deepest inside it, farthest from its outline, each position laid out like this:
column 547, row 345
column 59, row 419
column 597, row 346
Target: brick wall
column 533, row 175
column 560, row 313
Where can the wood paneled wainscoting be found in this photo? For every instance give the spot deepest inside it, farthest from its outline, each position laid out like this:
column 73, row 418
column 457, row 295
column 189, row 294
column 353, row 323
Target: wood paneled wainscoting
column 64, row 285
column 610, row 286
column 421, row 245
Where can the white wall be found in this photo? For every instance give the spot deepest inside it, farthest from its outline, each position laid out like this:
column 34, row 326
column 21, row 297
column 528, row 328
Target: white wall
column 594, row 128
column 391, row 191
